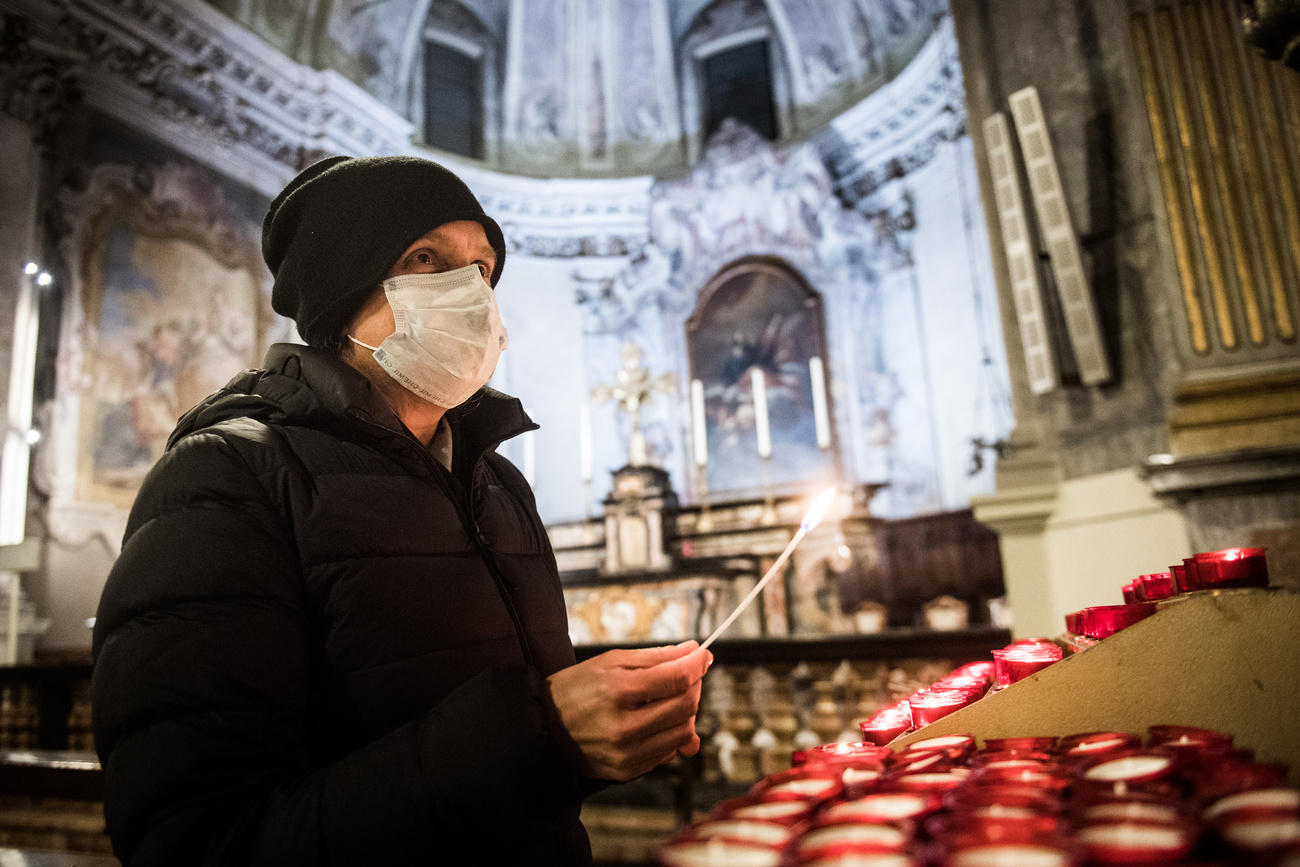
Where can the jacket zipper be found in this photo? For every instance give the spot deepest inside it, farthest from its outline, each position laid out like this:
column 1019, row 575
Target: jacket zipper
column 470, row 526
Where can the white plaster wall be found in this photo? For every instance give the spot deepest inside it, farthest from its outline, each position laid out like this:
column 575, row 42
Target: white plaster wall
column 535, row 297
column 961, row 323
column 1100, row 532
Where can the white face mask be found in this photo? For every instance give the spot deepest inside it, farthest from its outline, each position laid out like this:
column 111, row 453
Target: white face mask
column 448, row 334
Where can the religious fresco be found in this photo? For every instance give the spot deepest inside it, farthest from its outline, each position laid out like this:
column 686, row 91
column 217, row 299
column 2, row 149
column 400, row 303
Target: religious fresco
column 751, row 341
column 173, row 322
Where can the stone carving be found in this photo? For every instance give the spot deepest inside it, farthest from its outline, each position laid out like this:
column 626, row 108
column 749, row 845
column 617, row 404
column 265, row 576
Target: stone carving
column 35, row 87
column 199, row 71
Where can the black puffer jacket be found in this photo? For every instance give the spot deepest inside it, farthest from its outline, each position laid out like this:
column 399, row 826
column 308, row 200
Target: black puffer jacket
column 320, row 647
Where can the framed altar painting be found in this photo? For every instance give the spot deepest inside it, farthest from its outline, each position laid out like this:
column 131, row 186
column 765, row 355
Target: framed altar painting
column 169, row 302
column 759, row 319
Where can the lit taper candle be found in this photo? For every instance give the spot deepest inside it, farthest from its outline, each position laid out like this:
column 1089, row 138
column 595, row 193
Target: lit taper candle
column 810, row 520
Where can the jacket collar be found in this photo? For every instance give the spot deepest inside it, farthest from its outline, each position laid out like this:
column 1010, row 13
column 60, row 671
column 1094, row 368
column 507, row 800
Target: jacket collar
column 486, row 419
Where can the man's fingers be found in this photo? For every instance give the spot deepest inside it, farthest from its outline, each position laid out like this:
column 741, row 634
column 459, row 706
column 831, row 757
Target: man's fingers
column 667, row 679
column 647, row 657
column 648, row 720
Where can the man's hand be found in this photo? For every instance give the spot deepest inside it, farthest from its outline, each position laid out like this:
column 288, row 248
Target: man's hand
column 630, row 710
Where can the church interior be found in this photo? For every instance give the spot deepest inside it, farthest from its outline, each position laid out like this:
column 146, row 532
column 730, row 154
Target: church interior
column 1018, row 279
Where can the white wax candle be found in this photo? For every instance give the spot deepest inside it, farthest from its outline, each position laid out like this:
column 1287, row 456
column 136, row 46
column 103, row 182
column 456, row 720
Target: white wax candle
column 584, row 441
column 1128, row 768
column 1140, row 811
column 1010, row 855
column 821, row 417
column 940, row 780
column 812, row 786
column 1133, row 835
column 764, row 833
column 761, row 429
column 1094, row 746
column 879, row 835
column 864, row 859
column 939, row 743
column 1274, row 797
column 718, row 853
column 1263, row 833
column 853, row 776
column 891, row 806
column 699, row 435
column 770, row 810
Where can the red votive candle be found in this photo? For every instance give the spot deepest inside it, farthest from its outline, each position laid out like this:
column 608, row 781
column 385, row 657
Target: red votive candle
column 1272, row 798
column 810, row 783
column 1043, row 744
column 1096, row 743
column 936, row 704
column 883, row 807
column 1262, row 832
column 1011, row 759
column 885, row 726
column 1007, row 796
column 1131, row 592
column 1020, row 661
column 840, row 753
column 953, row 746
column 1137, row 842
column 1129, row 766
column 937, row 782
column 716, row 853
column 752, row 832
column 982, row 669
column 1156, row 586
column 858, row 835
column 1105, row 620
column 1231, row 567
column 782, row 812
column 849, row 855
column 1130, row 809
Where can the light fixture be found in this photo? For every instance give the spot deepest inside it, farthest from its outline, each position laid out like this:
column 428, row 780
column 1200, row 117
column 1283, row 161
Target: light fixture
column 33, row 436
column 31, row 268
column 44, row 279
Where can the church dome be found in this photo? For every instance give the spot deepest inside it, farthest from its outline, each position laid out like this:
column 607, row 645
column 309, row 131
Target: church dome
column 594, row 88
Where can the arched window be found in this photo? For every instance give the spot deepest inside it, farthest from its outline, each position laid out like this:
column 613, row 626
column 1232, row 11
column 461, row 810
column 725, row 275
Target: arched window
column 737, row 83
column 757, row 349
column 453, row 98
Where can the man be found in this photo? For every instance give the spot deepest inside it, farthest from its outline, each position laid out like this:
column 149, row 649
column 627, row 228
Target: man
column 335, row 634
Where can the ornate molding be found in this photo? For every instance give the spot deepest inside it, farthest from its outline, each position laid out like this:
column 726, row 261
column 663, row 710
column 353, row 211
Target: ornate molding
column 184, row 72
column 899, row 128
column 36, row 87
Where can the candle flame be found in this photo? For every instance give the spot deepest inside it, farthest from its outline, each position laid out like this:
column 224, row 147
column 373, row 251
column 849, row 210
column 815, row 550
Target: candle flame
column 817, row 510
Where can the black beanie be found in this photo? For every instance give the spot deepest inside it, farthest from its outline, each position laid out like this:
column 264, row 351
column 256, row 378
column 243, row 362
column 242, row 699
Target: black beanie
column 336, row 230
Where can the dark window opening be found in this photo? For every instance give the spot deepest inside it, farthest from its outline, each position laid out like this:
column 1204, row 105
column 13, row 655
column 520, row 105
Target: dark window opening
column 453, row 100
column 738, row 84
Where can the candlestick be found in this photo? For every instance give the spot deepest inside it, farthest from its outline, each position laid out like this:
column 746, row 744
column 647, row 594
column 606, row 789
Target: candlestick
column 530, row 459
column 821, row 417
column 699, row 435
column 584, row 441
column 761, row 429
column 810, row 520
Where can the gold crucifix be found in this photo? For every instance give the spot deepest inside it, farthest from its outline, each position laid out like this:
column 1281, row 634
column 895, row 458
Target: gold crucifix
column 632, row 389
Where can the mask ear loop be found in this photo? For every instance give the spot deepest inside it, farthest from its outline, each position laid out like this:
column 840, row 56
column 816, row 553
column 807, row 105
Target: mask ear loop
column 366, row 345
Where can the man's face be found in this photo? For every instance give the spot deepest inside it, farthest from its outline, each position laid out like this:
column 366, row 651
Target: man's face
column 446, row 248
